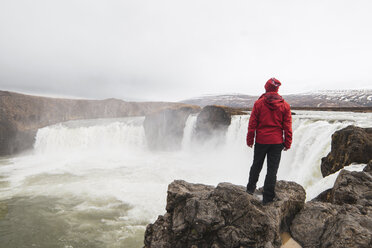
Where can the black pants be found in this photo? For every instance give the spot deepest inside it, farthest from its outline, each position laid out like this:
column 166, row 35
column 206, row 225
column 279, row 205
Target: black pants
column 273, row 152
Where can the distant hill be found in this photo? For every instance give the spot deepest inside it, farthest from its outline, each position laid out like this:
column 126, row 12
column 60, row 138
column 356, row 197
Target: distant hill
column 330, row 98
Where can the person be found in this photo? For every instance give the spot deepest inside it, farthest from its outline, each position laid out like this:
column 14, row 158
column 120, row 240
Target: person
column 270, row 124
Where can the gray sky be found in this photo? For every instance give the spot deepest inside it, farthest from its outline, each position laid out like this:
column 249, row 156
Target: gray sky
column 172, row 50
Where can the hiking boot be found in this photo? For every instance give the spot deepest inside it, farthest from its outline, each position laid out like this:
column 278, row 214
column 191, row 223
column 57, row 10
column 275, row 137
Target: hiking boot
column 249, row 191
column 266, row 202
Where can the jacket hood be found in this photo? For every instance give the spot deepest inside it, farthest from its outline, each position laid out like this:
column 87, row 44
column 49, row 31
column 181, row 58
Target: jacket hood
column 272, row 100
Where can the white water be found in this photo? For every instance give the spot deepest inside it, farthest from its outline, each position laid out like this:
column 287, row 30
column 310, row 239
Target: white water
column 103, row 169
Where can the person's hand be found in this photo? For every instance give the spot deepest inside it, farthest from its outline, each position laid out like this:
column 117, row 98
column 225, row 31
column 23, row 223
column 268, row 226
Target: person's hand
column 250, row 146
column 285, row 149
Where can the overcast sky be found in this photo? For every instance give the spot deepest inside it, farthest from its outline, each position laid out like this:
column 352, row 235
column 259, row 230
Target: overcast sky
column 171, row 50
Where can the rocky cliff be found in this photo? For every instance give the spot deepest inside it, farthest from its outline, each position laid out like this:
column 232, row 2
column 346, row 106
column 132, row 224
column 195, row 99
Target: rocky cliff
column 341, row 217
column 22, row 115
column 350, row 144
column 202, row 216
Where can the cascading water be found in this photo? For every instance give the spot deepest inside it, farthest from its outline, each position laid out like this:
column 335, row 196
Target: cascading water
column 94, row 183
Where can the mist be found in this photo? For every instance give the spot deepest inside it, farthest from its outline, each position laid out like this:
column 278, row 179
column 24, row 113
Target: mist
column 173, row 50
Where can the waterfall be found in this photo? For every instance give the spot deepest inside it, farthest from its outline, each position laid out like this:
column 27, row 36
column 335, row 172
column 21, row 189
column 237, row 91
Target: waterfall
column 91, row 136
column 103, row 138
column 99, row 175
column 188, row 131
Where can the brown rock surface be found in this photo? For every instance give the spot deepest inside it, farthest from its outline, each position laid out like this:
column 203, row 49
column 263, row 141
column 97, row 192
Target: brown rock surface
column 224, row 216
column 350, row 144
column 339, row 217
column 22, row 115
column 164, row 129
column 352, row 187
column 368, row 168
column 321, row 225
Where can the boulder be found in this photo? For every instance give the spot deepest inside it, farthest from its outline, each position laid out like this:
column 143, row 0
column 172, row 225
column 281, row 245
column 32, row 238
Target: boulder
column 204, row 216
column 351, row 227
column 164, row 129
column 212, row 121
column 352, row 187
column 349, row 145
column 321, row 225
column 338, row 217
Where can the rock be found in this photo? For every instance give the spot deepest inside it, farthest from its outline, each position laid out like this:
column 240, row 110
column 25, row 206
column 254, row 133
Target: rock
column 368, row 168
column 338, row 217
column 164, row 129
column 349, row 145
column 325, row 196
column 321, row 225
column 22, row 115
column 308, row 226
column 224, row 216
column 351, row 228
column 352, row 187
column 212, row 121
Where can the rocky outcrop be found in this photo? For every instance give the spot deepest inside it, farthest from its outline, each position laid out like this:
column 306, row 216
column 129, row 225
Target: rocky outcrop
column 351, row 144
column 321, row 225
column 212, row 121
column 164, row 129
column 341, row 216
column 223, row 216
column 22, row 115
column 352, row 188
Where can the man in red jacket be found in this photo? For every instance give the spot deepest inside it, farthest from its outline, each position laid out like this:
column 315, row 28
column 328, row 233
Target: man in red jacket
column 271, row 124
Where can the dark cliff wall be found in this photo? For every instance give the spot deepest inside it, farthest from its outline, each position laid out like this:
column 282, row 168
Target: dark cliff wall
column 22, row 115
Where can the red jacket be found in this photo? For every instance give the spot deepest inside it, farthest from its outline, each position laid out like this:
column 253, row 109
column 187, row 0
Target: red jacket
column 270, row 119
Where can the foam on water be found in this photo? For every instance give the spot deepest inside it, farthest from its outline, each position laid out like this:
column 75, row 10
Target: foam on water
column 103, row 168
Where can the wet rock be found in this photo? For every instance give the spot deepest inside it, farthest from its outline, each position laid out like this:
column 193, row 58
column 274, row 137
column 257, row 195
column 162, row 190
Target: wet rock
column 212, row 121
column 164, row 129
column 223, row 216
column 349, row 145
